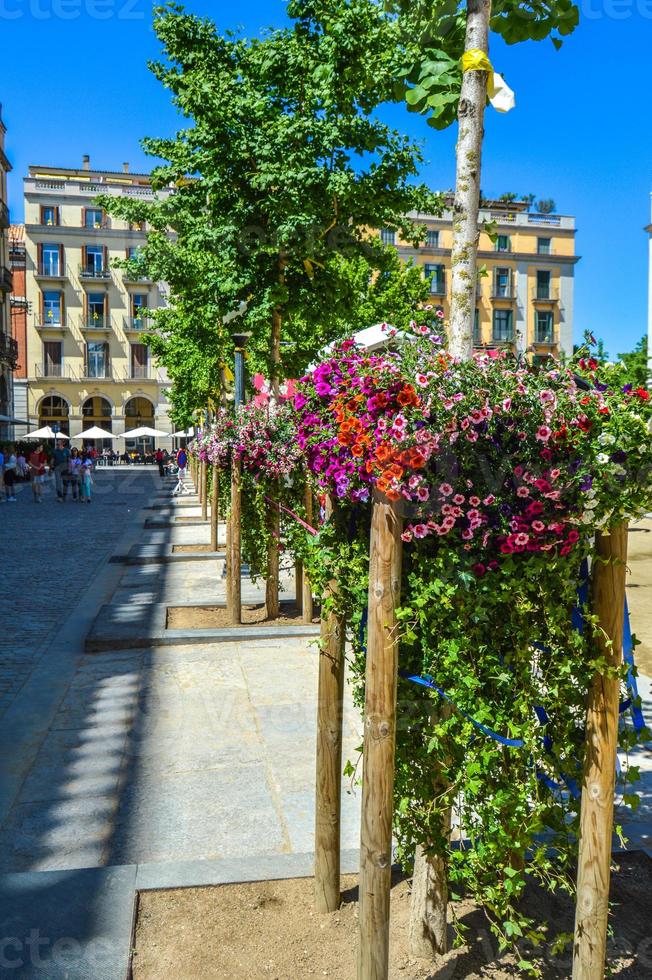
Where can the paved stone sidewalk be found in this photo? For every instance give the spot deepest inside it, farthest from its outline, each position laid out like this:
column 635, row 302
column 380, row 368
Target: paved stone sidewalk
column 52, row 553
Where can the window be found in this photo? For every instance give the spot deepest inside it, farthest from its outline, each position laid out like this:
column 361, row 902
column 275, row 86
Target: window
column 96, row 359
column 139, row 309
column 139, row 360
column 503, row 243
column 53, row 408
column 388, row 237
column 94, row 261
column 98, row 409
column 544, row 327
column 503, row 283
column 49, row 215
column 133, row 252
column 52, row 308
column 502, row 325
column 477, row 339
column 51, row 259
column 432, row 239
column 93, row 218
column 543, row 284
column 544, row 246
column 437, row 276
column 52, row 359
column 96, row 308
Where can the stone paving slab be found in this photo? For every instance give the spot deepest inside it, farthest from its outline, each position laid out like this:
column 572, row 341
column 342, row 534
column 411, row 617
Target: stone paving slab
column 67, row 925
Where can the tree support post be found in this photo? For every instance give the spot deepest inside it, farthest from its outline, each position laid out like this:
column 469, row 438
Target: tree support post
column 215, row 504
column 596, row 815
column 236, row 584
column 203, row 492
column 329, row 752
column 272, row 604
column 381, row 680
column 306, row 587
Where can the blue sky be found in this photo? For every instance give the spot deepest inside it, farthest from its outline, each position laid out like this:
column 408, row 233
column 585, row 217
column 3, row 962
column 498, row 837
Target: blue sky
column 74, row 80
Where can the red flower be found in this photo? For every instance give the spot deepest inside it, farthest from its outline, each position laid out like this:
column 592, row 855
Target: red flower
column 642, row 393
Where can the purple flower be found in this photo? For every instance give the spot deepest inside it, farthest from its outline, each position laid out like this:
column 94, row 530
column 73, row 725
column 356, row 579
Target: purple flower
column 586, row 483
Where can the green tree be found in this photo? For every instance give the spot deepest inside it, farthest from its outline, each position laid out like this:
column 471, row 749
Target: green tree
column 281, row 180
column 636, row 364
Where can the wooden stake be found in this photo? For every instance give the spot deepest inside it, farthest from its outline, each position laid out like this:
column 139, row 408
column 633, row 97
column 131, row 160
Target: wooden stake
column 298, row 584
column 306, row 601
column 272, row 604
column 236, row 584
column 215, row 505
column 329, row 753
column 203, row 491
column 381, row 680
column 229, row 576
column 596, row 815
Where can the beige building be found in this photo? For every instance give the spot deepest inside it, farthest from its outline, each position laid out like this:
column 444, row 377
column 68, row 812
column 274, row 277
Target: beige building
column 8, row 346
column 87, row 364
column 525, row 299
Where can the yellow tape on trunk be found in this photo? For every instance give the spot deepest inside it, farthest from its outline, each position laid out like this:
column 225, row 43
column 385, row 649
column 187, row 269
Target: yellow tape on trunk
column 476, row 60
column 499, row 93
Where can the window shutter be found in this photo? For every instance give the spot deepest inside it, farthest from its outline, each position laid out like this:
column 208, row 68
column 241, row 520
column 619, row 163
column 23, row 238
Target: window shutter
column 57, row 215
column 83, row 218
column 86, row 360
column 62, row 268
column 83, row 257
column 63, row 307
column 39, row 249
column 107, row 359
column 106, row 257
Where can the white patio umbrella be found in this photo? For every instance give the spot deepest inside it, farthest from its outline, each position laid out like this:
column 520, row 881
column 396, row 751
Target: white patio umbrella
column 94, row 433
column 142, row 433
column 184, row 433
column 45, row 433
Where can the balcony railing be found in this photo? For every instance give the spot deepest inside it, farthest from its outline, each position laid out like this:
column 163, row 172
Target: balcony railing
column 5, row 221
column 545, row 337
column 137, row 324
column 93, row 272
column 502, row 292
column 8, row 350
column 96, row 321
column 46, row 322
column 51, row 270
column 60, row 371
column 438, row 287
column 545, row 294
column 140, row 372
column 6, row 280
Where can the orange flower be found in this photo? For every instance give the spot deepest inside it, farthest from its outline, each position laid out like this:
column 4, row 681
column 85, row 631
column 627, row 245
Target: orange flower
column 357, row 450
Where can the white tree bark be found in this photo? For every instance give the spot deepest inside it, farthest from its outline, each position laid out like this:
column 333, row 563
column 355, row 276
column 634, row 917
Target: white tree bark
column 429, row 904
column 466, row 232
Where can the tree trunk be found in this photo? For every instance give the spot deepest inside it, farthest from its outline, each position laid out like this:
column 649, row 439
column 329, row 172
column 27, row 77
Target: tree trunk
column 236, row 584
column 466, row 232
column 215, row 502
column 203, row 478
column 381, row 680
column 597, row 807
column 277, row 331
column 272, row 604
column 428, row 912
column 306, row 600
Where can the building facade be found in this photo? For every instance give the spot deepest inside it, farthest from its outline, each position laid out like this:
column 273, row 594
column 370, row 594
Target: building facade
column 524, row 299
column 8, row 349
column 648, row 229
column 86, row 363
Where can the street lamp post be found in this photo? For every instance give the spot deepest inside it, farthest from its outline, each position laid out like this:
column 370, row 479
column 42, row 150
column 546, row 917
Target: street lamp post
column 235, row 603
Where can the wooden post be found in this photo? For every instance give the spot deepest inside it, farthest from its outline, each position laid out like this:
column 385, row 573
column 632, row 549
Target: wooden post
column 381, row 679
column 272, row 604
column 329, row 753
column 229, row 576
column 306, row 601
column 203, row 492
column 236, row 585
column 215, row 504
column 596, row 816
column 298, row 584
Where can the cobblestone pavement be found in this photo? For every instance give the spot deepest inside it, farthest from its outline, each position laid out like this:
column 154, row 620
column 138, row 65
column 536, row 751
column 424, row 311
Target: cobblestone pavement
column 51, row 552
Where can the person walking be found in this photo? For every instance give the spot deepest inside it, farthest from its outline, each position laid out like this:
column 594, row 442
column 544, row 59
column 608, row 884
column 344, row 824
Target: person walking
column 86, row 480
column 160, row 462
column 22, row 468
column 10, row 474
column 75, row 468
column 182, row 462
column 60, row 464
column 37, row 461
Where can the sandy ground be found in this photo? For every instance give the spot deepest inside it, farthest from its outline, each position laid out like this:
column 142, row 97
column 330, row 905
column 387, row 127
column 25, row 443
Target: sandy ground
column 216, row 617
column 639, row 592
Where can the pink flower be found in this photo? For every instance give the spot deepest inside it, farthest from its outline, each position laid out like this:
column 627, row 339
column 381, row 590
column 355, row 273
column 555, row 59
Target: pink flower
column 447, row 510
column 422, row 380
column 474, row 501
column 522, row 492
column 467, row 534
column 543, row 433
column 548, row 397
column 554, row 474
column 439, row 314
column 458, row 499
column 507, row 404
column 445, row 489
column 538, row 526
column 448, row 523
column 406, row 536
column 471, row 436
column 488, row 500
column 420, row 530
column 423, row 494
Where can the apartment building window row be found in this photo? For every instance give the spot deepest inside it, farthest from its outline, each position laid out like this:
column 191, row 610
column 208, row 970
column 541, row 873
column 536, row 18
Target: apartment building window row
column 94, row 260
column 97, row 360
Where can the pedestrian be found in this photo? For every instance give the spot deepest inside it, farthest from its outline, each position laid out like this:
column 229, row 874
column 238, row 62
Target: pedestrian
column 22, row 468
column 160, row 461
column 10, row 474
column 60, row 464
column 182, row 462
column 37, row 461
column 75, row 468
column 86, row 480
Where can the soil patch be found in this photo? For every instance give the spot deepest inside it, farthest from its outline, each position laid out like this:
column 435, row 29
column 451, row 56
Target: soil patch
column 216, row 617
column 269, row 931
column 191, row 549
column 191, row 517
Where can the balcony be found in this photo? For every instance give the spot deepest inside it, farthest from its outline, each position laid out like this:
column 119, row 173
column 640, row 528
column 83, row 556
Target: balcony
column 50, row 270
column 45, row 322
column 141, row 372
column 503, row 292
column 130, row 279
column 44, row 371
column 545, row 338
column 6, row 280
column 8, row 350
column 93, row 273
column 136, row 324
column 96, row 321
column 5, row 220
column 545, row 294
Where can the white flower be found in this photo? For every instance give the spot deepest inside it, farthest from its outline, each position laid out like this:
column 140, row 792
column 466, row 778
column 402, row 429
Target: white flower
column 603, row 458
column 590, row 504
column 587, row 518
column 606, row 439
